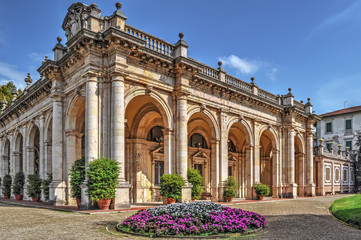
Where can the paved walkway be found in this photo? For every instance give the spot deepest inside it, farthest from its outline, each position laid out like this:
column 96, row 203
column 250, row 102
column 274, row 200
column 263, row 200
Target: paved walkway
column 304, row 218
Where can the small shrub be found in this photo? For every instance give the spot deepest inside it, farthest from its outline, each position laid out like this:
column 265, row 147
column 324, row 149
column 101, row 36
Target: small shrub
column 45, row 185
column 261, row 189
column 34, row 185
column 77, row 177
column 6, row 190
column 195, row 178
column 230, row 187
column 103, row 176
column 18, row 184
column 171, row 186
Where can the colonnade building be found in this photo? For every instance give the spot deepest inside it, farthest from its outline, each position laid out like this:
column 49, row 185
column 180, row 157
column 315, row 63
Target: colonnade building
column 116, row 91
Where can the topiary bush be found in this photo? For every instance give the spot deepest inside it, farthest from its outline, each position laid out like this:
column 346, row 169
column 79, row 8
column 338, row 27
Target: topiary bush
column 102, row 177
column 34, row 185
column 231, row 186
column 261, row 189
column 6, row 190
column 18, row 184
column 171, row 186
column 196, row 179
column 45, row 185
column 77, row 177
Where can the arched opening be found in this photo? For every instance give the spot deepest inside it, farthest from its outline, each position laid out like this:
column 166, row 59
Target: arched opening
column 48, row 148
column 146, row 146
column 7, row 157
column 18, row 154
column 33, row 150
column 267, row 160
column 238, row 138
column 202, row 150
column 299, row 166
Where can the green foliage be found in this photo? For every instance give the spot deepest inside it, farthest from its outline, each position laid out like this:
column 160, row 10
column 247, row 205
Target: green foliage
column 261, row 189
column 195, row 178
column 231, row 186
column 5, row 91
column 102, row 176
column 45, row 185
column 77, row 175
column 348, row 210
column 18, row 184
column 34, row 185
column 7, row 185
column 171, row 186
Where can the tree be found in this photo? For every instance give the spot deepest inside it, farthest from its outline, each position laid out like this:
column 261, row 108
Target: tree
column 6, row 91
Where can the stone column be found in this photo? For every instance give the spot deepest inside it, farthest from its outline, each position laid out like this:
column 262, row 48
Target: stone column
column 275, row 168
column 256, row 154
column 223, row 150
column 292, row 186
column 182, row 144
column 300, row 158
column 118, row 139
column 91, row 130
column 2, row 159
column 41, row 148
column 168, row 151
column 310, row 188
column 249, row 171
column 214, row 170
column 57, row 186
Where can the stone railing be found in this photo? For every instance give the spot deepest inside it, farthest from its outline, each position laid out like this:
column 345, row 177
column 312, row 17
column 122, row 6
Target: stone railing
column 344, row 155
column 235, row 82
column 152, row 42
column 299, row 105
column 209, row 72
column 268, row 96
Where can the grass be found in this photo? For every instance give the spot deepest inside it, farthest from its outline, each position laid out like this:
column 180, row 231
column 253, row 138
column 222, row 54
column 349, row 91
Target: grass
column 348, row 210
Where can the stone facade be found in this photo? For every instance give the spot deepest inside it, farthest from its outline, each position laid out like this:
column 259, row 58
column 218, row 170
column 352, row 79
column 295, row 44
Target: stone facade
column 115, row 91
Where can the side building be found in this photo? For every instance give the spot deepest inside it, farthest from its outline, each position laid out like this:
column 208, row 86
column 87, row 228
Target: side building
column 116, row 91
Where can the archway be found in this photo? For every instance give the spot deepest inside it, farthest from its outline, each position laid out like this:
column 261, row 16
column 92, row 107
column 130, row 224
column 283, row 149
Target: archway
column 269, row 161
column 48, row 147
column 203, row 150
column 33, row 150
column 147, row 147
column 6, row 157
column 238, row 158
column 299, row 165
column 18, row 154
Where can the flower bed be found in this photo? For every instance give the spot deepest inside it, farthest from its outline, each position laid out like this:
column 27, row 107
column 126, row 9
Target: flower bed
column 198, row 218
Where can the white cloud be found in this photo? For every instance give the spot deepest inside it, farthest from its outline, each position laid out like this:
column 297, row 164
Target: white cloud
column 241, row 65
column 10, row 72
column 271, row 73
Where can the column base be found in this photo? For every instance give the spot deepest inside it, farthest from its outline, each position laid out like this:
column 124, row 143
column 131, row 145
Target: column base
column 310, row 190
column 275, row 193
column 291, row 191
column 214, row 194
column 25, row 192
column 187, row 193
column 86, row 203
column 220, row 192
column 57, row 193
column 122, row 197
column 249, row 195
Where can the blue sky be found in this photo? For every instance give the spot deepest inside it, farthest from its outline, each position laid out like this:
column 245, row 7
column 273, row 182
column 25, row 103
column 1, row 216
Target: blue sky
column 314, row 47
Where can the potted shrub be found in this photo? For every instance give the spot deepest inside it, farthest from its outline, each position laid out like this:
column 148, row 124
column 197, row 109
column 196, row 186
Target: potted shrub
column 45, row 185
column 195, row 178
column 171, row 187
column 77, row 177
column 102, row 177
column 18, row 185
column 261, row 190
column 6, row 189
column 230, row 190
column 34, row 187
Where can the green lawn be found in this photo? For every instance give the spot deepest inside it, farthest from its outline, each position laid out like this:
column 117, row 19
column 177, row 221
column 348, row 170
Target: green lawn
column 348, row 210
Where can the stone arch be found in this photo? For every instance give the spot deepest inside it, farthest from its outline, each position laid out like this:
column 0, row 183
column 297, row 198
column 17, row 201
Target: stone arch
column 274, row 134
column 6, row 157
column 18, row 154
column 246, row 129
column 33, row 149
column 212, row 121
column 48, row 139
column 75, row 113
column 146, row 158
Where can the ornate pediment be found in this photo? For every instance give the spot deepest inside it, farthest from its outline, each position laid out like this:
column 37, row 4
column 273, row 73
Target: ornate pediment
column 157, row 154
column 200, row 154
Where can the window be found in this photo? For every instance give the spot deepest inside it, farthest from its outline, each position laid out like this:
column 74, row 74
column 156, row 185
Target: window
column 345, row 175
column 348, row 124
column 197, row 140
column 230, row 171
column 349, row 145
column 155, row 134
column 199, row 167
column 327, row 173
column 337, row 174
column 159, row 171
column 329, row 127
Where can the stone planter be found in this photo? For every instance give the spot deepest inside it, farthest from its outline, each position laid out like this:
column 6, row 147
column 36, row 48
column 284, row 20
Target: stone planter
column 78, row 202
column 171, row 200
column 6, row 197
column 35, row 199
column 229, row 199
column 261, row 198
column 19, row 197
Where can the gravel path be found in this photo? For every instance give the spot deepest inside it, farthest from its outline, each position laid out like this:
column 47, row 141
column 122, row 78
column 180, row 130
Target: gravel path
column 291, row 219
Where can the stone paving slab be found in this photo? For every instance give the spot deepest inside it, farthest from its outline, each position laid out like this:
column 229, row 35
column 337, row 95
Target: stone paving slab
column 302, row 218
